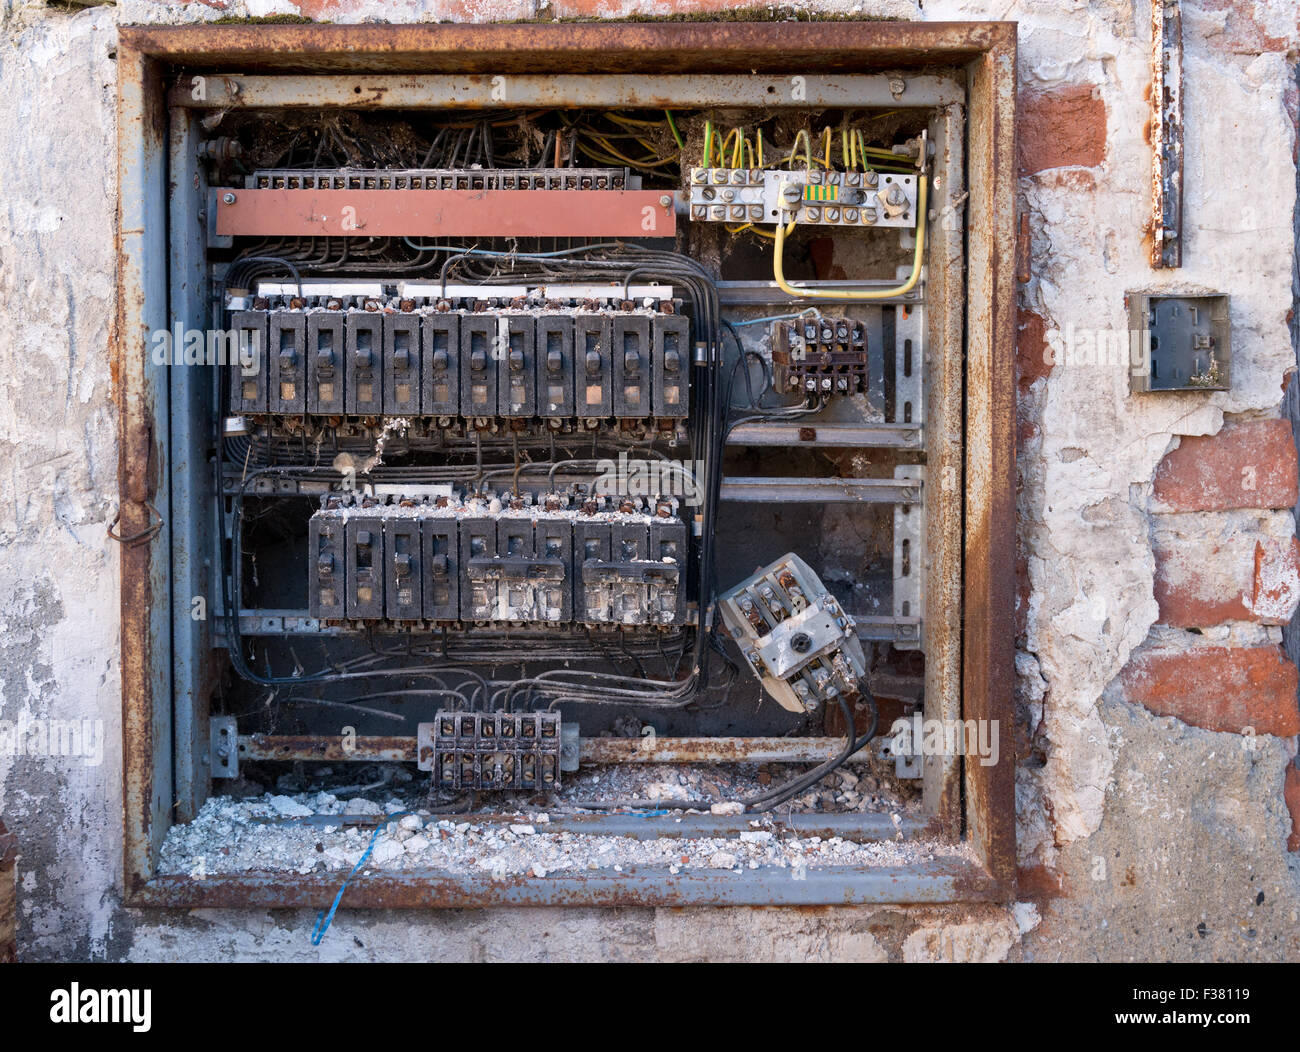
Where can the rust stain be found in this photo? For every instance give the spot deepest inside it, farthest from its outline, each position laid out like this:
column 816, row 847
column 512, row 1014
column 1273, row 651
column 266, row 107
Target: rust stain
column 582, row 47
column 8, row 847
column 314, row 747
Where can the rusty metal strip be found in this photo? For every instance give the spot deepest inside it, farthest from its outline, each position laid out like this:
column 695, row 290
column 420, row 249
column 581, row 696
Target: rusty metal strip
column 588, row 48
column 924, row 882
column 141, row 390
column 445, row 213
column 295, row 747
column 488, row 91
column 1166, row 134
column 946, row 294
column 849, row 436
column 989, row 580
column 371, row 748
column 821, row 490
column 709, row 750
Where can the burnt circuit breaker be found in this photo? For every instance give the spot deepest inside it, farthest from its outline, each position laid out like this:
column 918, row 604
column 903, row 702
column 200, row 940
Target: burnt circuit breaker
column 484, row 560
column 794, row 634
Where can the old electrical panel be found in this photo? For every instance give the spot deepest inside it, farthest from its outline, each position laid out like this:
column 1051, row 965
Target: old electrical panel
column 547, row 428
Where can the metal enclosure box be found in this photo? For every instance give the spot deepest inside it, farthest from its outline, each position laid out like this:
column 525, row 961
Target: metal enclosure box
column 963, row 75
column 1178, row 343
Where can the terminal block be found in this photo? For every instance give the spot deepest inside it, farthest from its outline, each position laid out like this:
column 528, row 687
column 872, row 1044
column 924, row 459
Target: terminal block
column 444, row 179
column 820, row 355
column 816, row 198
column 794, row 635
column 491, row 751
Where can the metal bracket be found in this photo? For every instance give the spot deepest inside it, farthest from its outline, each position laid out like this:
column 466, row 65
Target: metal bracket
column 223, row 745
column 215, row 240
column 570, row 747
column 909, row 558
column 1167, row 131
column 908, row 762
column 909, row 365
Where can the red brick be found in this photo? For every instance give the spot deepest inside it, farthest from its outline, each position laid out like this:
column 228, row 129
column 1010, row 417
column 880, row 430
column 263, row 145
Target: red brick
column 1199, row 584
column 8, row 897
column 1291, row 794
column 1276, row 583
column 1218, row 688
column 1243, row 32
column 1061, row 129
column 1246, row 465
column 1191, row 595
column 1032, row 360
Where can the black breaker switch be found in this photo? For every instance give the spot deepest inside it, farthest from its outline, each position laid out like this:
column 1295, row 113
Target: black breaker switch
column 448, row 366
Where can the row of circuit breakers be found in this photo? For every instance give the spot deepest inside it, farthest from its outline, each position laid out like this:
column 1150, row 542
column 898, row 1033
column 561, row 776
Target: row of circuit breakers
column 405, row 359
column 480, row 560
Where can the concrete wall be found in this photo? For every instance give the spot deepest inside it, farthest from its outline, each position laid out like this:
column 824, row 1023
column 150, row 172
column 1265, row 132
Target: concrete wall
column 1157, row 712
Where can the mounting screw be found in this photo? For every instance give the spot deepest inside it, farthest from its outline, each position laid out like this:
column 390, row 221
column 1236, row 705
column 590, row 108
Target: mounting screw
column 666, row 200
column 228, row 198
column 897, row 86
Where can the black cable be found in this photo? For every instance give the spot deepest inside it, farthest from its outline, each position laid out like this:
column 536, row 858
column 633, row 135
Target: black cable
column 852, row 744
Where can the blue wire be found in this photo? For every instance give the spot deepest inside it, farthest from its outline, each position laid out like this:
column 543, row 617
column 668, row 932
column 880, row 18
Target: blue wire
column 323, row 919
column 775, row 317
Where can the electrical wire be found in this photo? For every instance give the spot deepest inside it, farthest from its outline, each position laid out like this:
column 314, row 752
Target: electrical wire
column 778, row 266
column 765, row 801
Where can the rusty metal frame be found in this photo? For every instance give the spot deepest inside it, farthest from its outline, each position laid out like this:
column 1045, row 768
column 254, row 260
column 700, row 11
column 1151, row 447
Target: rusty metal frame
column 981, row 616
